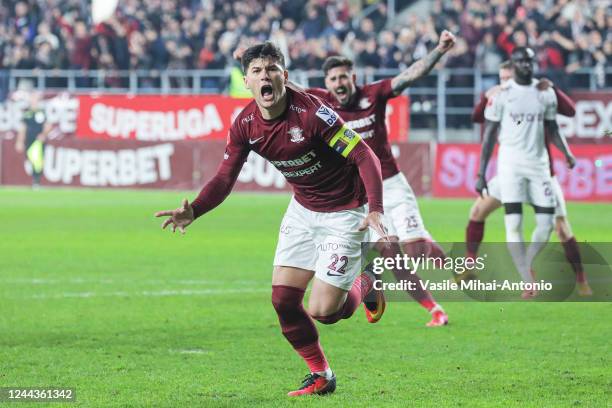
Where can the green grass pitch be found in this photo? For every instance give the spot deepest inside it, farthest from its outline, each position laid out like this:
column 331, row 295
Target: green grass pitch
column 93, row 295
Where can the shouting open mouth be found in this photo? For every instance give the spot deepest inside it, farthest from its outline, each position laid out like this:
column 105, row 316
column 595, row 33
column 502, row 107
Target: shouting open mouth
column 267, row 93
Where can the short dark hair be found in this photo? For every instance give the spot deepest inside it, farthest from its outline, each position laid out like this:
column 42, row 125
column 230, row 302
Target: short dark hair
column 263, row 50
column 507, row 64
column 522, row 52
column 336, row 61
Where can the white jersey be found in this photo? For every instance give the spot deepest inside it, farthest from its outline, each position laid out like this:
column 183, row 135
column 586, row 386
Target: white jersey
column 522, row 109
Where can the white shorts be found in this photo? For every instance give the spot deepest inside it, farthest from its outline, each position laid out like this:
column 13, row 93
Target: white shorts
column 402, row 216
column 327, row 243
column 560, row 208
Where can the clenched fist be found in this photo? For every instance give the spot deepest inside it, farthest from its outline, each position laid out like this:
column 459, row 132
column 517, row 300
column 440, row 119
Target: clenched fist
column 447, row 41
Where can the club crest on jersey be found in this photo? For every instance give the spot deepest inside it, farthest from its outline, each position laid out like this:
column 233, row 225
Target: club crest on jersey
column 364, row 103
column 349, row 134
column 296, row 134
column 327, row 115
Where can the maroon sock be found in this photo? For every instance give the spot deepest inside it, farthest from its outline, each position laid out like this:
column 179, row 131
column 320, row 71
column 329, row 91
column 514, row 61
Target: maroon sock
column 421, row 295
column 423, row 247
column 297, row 326
column 572, row 253
column 361, row 287
column 473, row 236
column 435, row 250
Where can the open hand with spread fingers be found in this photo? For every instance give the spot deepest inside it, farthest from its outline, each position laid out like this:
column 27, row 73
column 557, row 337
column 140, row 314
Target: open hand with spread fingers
column 374, row 220
column 179, row 218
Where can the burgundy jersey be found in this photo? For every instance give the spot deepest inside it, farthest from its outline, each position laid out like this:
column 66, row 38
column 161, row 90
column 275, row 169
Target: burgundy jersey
column 366, row 115
column 311, row 146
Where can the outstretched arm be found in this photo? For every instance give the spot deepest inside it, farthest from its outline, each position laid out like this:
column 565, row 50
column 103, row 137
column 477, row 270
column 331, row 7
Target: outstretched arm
column 488, row 143
column 219, row 187
column 552, row 129
column 421, row 67
column 213, row 193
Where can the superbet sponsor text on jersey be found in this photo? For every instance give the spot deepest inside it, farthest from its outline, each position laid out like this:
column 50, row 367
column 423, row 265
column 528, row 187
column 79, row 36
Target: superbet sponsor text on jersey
column 366, row 115
column 309, row 144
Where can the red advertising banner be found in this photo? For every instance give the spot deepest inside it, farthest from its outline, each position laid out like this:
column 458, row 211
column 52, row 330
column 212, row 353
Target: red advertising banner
column 153, row 118
column 96, row 163
column 591, row 180
column 156, row 118
column 178, row 165
column 174, row 117
column 593, row 120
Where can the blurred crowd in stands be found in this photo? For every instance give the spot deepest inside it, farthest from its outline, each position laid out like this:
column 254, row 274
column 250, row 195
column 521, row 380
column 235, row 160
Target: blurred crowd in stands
column 174, row 34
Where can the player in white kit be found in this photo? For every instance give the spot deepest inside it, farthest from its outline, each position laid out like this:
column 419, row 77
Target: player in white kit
column 521, row 112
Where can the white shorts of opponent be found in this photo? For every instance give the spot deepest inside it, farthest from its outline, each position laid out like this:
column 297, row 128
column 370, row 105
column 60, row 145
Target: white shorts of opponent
column 402, row 216
column 327, row 243
column 494, row 191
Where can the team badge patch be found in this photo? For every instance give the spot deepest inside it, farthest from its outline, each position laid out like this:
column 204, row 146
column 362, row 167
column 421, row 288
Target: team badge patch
column 364, row 103
column 349, row 134
column 327, row 115
column 296, row 134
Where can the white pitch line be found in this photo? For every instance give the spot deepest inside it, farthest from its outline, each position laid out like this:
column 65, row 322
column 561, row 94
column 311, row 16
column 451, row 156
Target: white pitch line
column 189, row 351
column 160, row 293
column 108, row 281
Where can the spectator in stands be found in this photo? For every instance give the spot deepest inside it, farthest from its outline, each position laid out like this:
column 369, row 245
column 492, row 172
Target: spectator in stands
column 156, row 34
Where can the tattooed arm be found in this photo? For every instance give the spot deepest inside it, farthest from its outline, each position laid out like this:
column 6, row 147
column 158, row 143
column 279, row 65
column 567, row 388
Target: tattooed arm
column 421, row 67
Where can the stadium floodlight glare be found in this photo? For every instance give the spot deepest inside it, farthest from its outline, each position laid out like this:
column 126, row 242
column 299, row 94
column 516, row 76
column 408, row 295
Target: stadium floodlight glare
column 102, row 10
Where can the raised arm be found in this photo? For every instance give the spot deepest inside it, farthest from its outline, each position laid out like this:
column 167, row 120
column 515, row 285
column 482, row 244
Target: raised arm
column 421, row 67
column 552, row 129
column 488, row 144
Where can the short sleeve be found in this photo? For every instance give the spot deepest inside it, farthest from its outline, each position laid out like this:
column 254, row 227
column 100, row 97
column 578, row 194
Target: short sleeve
column 382, row 89
column 550, row 112
column 495, row 108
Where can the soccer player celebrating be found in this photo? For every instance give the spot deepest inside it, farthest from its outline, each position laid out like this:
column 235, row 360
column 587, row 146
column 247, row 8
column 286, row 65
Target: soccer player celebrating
column 363, row 107
column 485, row 205
column 333, row 175
column 521, row 112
